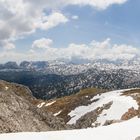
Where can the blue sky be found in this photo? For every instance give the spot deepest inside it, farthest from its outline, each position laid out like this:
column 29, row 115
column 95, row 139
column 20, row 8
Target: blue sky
column 119, row 22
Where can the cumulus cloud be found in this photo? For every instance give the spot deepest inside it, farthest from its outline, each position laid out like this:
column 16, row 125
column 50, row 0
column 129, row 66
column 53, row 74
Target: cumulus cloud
column 52, row 20
column 15, row 19
column 92, row 51
column 9, row 46
column 100, row 50
column 19, row 18
column 22, row 17
column 42, row 43
column 100, row 4
column 6, row 45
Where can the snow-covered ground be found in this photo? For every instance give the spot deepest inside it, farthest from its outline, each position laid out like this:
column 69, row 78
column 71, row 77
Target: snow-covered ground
column 44, row 104
column 128, row 130
column 41, row 104
column 56, row 114
column 48, row 104
column 120, row 105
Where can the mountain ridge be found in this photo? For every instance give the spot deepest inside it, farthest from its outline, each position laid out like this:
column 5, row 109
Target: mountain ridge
column 49, row 80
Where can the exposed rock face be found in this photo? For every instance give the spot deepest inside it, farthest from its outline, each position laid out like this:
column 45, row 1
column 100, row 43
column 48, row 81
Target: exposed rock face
column 89, row 119
column 130, row 114
column 18, row 112
column 138, row 138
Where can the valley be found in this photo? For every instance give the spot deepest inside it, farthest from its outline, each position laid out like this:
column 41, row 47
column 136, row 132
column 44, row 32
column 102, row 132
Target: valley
column 48, row 85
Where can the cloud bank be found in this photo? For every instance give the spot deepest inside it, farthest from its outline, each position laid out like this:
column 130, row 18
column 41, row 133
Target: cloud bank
column 42, row 49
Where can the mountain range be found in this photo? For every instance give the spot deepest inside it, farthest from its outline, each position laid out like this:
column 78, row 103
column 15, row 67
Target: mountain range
column 55, row 79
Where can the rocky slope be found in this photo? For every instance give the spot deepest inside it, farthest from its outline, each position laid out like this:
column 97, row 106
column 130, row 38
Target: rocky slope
column 95, row 107
column 18, row 111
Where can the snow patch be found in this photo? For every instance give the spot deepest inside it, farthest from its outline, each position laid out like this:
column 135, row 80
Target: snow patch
column 48, row 104
column 56, row 114
column 6, row 88
column 120, row 105
column 41, row 105
column 128, row 130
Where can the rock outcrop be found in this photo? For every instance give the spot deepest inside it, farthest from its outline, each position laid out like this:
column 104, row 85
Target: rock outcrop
column 18, row 111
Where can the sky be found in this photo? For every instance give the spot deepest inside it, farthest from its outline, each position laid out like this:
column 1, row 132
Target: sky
column 69, row 29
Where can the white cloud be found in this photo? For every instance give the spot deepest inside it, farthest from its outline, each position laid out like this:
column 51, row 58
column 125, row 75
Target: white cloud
column 15, row 19
column 100, row 4
column 92, row 51
column 9, row 46
column 52, row 20
column 22, row 17
column 19, row 18
column 42, row 43
column 6, row 45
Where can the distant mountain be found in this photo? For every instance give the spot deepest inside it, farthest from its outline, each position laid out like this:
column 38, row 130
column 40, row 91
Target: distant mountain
column 9, row 65
column 65, row 67
column 48, row 86
column 38, row 65
column 55, row 79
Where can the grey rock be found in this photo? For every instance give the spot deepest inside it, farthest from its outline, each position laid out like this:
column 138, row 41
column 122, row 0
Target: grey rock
column 90, row 118
column 18, row 111
column 138, row 138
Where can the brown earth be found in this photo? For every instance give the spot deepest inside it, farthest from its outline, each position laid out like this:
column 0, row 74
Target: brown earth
column 82, row 98
column 68, row 103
